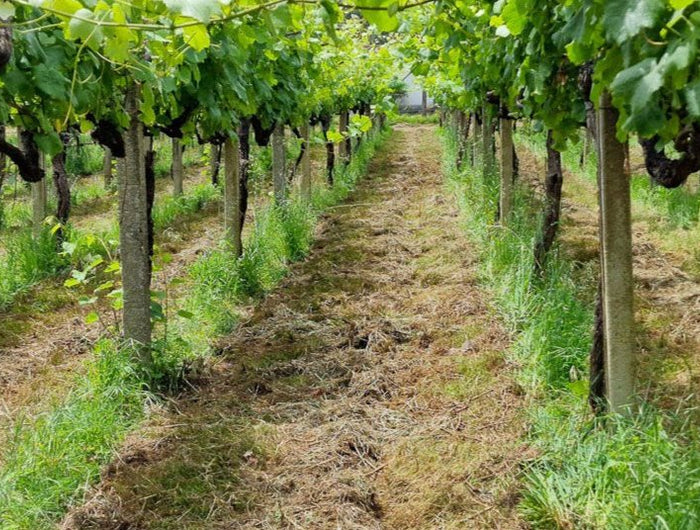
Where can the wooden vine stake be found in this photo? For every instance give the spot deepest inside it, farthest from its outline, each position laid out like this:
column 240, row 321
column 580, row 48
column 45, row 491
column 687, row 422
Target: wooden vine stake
column 343, row 122
column 305, row 184
column 487, row 159
column 39, row 204
column 133, row 236
column 232, row 195
column 38, row 189
column 107, row 167
column 506, row 197
column 616, row 261
column 279, row 171
column 477, row 138
column 177, row 168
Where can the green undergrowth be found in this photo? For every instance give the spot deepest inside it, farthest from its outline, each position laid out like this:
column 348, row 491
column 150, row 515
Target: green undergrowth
column 14, row 214
column 27, row 260
column 416, row 119
column 676, row 208
column 49, row 459
column 84, row 159
column 192, row 155
column 621, row 473
column 196, row 199
column 86, row 192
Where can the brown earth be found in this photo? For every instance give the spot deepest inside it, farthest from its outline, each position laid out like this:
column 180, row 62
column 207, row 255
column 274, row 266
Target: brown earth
column 368, row 391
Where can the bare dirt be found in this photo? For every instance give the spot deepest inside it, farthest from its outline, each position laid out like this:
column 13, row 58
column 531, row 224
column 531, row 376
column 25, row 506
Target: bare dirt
column 368, row 391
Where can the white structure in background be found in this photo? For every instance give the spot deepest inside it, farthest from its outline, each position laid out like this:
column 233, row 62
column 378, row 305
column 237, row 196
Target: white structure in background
column 415, row 99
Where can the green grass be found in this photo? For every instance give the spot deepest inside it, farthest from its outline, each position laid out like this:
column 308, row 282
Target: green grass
column 50, row 459
column 674, row 208
column 85, row 192
column 192, row 155
column 27, row 260
column 171, row 208
column 14, row 214
column 86, row 159
column 416, row 119
column 622, row 473
column 630, row 474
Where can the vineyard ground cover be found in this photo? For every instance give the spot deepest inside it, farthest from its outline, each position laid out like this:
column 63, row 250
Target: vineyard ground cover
column 640, row 471
column 45, row 338
column 32, row 360
column 32, row 261
column 367, row 391
column 46, row 484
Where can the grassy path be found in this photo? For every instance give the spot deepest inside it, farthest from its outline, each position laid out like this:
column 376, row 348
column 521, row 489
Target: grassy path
column 368, row 391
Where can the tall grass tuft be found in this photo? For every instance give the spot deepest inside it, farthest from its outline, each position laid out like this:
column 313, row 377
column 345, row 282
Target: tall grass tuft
column 15, row 214
column 48, row 460
column 26, row 261
column 85, row 159
column 165, row 212
column 641, row 471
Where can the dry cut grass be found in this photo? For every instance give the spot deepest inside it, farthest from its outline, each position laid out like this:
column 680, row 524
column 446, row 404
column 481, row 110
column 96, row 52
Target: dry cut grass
column 368, row 391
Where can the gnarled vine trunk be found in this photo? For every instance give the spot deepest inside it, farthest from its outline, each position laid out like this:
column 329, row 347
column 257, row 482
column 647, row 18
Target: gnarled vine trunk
column 478, row 132
column 60, row 180
column 25, row 157
column 6, row 47
column 149, row 161
column 3, row 159
column 178, row 170
column 596, row 388
column 232, row 195
column 344, row 147
column 330, row 149
column 215, row 162
column 463, row 125
column 552, row 205
column 244, row 169
column 668, row 172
